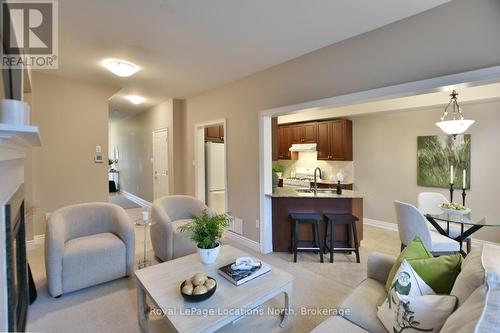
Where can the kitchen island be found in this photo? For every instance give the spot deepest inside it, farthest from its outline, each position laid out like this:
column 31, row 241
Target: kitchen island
column 286, row 200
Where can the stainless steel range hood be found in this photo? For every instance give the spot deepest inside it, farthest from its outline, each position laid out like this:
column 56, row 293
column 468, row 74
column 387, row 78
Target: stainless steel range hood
column 298, row 147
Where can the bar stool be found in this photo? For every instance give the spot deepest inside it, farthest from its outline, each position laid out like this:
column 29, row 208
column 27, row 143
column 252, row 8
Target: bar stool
column 314, row 220
column 346, row 219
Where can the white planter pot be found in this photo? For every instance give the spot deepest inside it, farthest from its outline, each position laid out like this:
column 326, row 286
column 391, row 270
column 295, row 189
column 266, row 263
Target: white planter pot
column 208, row 256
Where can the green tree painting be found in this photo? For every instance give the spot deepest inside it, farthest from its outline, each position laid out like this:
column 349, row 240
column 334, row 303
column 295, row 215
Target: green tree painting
column 437, row 153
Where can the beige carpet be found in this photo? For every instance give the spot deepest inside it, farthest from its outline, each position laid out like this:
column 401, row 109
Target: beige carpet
column 111, row 307
column 120, row 200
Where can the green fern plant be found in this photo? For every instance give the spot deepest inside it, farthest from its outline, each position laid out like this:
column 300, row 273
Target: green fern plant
column 206, row 230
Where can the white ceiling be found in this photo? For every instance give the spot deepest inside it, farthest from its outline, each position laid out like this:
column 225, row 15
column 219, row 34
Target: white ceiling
column 436, row 99
column 185, row 47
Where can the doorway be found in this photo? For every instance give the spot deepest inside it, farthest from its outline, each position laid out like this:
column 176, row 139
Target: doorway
column 210, row 164
column 160, row 163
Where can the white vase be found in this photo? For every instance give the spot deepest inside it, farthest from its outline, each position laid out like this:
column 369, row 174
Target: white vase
column 208, row 256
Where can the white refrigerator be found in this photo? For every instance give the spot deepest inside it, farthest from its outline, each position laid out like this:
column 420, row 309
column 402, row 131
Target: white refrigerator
column 215, row 174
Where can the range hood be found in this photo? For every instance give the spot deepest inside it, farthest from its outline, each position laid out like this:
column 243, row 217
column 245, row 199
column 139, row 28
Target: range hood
column 303, row 147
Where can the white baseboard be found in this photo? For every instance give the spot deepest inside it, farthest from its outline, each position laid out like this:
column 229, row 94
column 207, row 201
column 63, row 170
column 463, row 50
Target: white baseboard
column 140, row 201
column 37, row 240
column 243, row 240
column 394, row 227
column 380, row 224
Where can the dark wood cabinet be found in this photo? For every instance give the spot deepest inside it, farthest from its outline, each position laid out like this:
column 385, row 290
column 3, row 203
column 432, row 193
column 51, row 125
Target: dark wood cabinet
column 303, row 133
column 214, row 133
column 274, row 131
column 335, row 140
column 284, row 143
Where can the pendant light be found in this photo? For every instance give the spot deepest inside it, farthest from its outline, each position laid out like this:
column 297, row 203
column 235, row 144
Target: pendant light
column 457, row 124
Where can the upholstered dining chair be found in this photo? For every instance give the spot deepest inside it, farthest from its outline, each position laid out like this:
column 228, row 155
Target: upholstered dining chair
column 412, row 223
column 169, row 213
column 87, row 244
column 429, row 203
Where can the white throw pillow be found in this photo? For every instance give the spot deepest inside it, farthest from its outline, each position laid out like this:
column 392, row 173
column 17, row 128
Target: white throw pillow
column 412, row 306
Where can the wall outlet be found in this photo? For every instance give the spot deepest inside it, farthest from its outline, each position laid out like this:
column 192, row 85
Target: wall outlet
column 98, row 149
column 257, row 224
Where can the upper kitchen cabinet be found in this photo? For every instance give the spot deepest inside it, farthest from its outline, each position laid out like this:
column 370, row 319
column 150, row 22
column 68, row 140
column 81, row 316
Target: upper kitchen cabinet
column 335, row 140
column 214, row 133
column 303, row 133
column 284, row 143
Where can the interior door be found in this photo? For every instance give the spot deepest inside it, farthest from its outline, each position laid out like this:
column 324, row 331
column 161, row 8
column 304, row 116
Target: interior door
column 160, row 163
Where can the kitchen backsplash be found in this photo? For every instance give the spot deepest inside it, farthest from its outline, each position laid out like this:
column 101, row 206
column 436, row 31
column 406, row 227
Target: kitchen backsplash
column 329, row 169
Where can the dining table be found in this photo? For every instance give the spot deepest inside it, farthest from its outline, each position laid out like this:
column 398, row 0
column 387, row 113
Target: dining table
column 469, row 224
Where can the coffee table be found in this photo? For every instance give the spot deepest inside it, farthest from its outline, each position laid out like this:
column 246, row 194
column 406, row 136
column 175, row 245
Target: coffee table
column 229, row 303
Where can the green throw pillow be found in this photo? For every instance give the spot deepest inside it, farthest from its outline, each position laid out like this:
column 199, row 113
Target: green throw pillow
column 439, row 273
column 414, row 250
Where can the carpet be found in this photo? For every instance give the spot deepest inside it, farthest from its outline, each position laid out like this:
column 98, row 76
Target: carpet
column 111, row 307
column 122, row 201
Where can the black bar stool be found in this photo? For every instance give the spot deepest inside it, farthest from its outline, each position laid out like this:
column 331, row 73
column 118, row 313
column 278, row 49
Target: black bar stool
column 314, row 220
column 350, row 221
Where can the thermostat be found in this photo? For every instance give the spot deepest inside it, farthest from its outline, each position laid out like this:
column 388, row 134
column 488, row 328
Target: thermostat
column 98, row 158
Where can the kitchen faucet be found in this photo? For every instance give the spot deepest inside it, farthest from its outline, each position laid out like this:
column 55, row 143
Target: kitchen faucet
column 316, row 180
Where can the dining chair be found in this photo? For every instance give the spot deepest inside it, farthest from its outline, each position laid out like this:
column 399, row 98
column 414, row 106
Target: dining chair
column 412, row 223
column 429, row 203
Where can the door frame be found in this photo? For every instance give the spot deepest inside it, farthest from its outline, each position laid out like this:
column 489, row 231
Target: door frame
column 442, row 83
column 199, row 159
column 155, row 131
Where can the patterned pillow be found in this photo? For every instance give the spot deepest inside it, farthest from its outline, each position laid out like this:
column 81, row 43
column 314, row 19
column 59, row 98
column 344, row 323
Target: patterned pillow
column 412, row 306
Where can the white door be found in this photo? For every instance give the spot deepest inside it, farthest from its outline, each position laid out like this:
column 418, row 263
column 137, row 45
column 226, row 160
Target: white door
column 160, row 163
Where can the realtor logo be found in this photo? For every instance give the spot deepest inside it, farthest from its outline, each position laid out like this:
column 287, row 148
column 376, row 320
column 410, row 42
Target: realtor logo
column 29, row 34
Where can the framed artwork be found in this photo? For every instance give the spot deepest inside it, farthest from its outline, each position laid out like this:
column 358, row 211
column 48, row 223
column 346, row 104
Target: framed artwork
column 436, row 154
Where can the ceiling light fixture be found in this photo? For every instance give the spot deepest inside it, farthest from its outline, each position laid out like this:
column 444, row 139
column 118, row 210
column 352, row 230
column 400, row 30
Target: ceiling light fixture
column 120, row 67
column 456, row 125
column 135, row 99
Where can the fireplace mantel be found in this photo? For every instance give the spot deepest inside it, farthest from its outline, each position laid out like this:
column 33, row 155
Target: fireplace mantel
column 15, row 140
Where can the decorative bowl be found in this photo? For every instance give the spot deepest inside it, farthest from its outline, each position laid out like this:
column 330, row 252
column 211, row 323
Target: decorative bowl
column 199, row 298
column 457, row 211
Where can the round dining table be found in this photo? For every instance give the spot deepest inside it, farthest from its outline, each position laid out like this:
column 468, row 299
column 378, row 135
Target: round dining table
column 469, row 224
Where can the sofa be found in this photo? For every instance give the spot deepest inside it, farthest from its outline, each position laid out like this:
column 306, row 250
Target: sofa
column 88, row 244
column 169, row 214
column 477, row 289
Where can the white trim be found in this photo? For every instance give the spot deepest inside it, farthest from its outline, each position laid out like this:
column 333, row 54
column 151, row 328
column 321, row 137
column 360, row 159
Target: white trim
column 37, row 240
column 470, row 78
column 251, row 244
column 140, row 201
column 394, row 227
column 380, row 224
column 199, row 158
column 156, row 131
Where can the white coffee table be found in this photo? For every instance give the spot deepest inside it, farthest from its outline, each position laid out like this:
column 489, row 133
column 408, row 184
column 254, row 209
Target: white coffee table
column 229, row 303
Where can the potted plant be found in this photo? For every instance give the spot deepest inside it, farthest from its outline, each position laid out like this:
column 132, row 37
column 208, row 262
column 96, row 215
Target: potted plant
column 277, row 174
column 206, row 230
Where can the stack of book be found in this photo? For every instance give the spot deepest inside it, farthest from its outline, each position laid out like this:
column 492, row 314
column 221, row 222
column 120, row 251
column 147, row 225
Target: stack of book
column 240, row 276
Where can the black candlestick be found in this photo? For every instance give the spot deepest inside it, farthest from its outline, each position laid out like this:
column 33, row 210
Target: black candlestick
column 463, row 197
column 451, row 192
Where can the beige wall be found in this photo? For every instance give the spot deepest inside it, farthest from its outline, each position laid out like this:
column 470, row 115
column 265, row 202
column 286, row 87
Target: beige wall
column 456, row 37
column 134, row 138
column 72, row 117
column 385, row 155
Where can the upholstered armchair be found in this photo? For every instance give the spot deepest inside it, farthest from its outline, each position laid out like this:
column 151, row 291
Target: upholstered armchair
column 87, row 244
column 169, row 213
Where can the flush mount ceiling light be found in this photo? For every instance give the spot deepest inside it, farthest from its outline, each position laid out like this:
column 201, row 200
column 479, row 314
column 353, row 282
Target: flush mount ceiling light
column 135, row 99
column 120, row 67
column 457, row 124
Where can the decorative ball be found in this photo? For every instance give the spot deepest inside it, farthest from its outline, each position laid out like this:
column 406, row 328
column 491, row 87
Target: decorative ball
column 209, row 284
column 188, row 282
column 199, row 279
column 188, row 289
column 199, row 290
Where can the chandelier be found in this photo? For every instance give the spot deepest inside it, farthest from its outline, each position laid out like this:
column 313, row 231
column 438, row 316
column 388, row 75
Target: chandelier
column 454, row 123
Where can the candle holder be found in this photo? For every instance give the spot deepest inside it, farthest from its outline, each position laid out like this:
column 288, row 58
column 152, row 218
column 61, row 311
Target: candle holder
column 451, row 192
column 463, row 196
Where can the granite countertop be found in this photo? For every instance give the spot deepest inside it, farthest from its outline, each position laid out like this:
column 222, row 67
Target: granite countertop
column 332, row 182
column 289, row 192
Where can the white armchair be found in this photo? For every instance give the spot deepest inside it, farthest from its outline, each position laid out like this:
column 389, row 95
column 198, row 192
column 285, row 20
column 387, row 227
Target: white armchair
column 170, row 213
column 87, row 244
column 412, row 223
column 429, row 202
